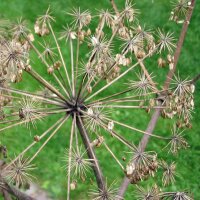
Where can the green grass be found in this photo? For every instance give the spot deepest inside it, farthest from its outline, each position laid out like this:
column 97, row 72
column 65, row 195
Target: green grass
column 51, row 176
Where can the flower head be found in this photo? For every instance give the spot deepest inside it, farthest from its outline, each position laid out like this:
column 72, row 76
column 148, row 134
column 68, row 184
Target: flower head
column 177, row 141
column 108, row 193
column 81, row 19
column 18, row 172
column 79, row 164
column 166, row 41
column 169, row 173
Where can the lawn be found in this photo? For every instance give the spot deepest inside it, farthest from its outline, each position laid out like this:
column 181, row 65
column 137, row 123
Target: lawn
column 50, row 172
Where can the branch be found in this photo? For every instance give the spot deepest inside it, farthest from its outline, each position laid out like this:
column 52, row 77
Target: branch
column 91, row 153
column 8, row 189
column 154, row 119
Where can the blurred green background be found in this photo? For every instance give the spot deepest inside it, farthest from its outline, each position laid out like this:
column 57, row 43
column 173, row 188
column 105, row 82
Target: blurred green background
column 50, row 173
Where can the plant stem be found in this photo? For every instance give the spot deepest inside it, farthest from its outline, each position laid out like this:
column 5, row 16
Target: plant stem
column 60, row 53
column 15, row 192
column 91, row 153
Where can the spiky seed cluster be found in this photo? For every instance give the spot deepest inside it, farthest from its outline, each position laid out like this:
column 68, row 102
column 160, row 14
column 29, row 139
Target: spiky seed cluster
column 152, row 193
column 155, row 193
column 169, row 173
column 180, row 102
column 179, row 11
column 19, row 171
column 166, row 41
column 79, row 164
column 28, row 110
column 41, row 25
column 14, row 58
column 142, row 86
column 143, row 165
column 177, row 141
column 108, row 193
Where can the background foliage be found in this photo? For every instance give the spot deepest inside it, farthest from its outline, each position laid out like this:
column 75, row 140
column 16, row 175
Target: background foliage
column 52, row 176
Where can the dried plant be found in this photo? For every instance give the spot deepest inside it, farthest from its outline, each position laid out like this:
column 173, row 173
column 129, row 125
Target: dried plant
column 77, row 88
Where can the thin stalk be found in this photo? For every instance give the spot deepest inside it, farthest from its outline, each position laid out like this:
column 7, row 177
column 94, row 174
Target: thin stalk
column 72, row 66
column 128, row 107
column 113, row 155
column 56, row 111
column 28, row 94
column 70, row 156
column 22, row 122
column 61, row 56
column 47, row 140
column 45, row 83
column 91, row 153
column 33, row 143
column 135, row 129
column 77, row 59
column 45, row 62
column 128, row 97
column 9, row 121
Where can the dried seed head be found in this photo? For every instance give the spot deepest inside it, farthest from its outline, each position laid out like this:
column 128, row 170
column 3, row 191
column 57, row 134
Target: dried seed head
column 18, row 172
column 57, row 65
column 161, row 62
column 37, row 138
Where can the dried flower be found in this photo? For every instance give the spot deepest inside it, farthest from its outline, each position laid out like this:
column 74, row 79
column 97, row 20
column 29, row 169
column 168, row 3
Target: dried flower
column 80, row 165
column 18, row 172
column 108, row 193
column 166, row 41
column 81, row 19
column 142, row 86
column 177, row 141
column 169, row 173
column 152, row 193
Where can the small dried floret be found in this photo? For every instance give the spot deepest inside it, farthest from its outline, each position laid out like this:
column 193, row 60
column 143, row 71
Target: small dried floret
column 181, row 87
column 19, row 29
column 48, row 51
column 42, row 22
column 14, row 58
column 177, row 141
column 142, row 86
column 106, row 17
column 129, row 11
column 80, row 165
column 81, row 19
column 179, row 11
column 166, row 41
column 68, row 33
column 94, row 117
column 152, row 193
column 18, row 172
column 169, row 173
column 177, row 195
column 28, row 111
column 108, row 193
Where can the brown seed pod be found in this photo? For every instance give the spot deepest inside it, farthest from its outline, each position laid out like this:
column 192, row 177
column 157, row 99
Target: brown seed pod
column 161, row 62
column 50, row 70
column 36, row 138
column 57, row 65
